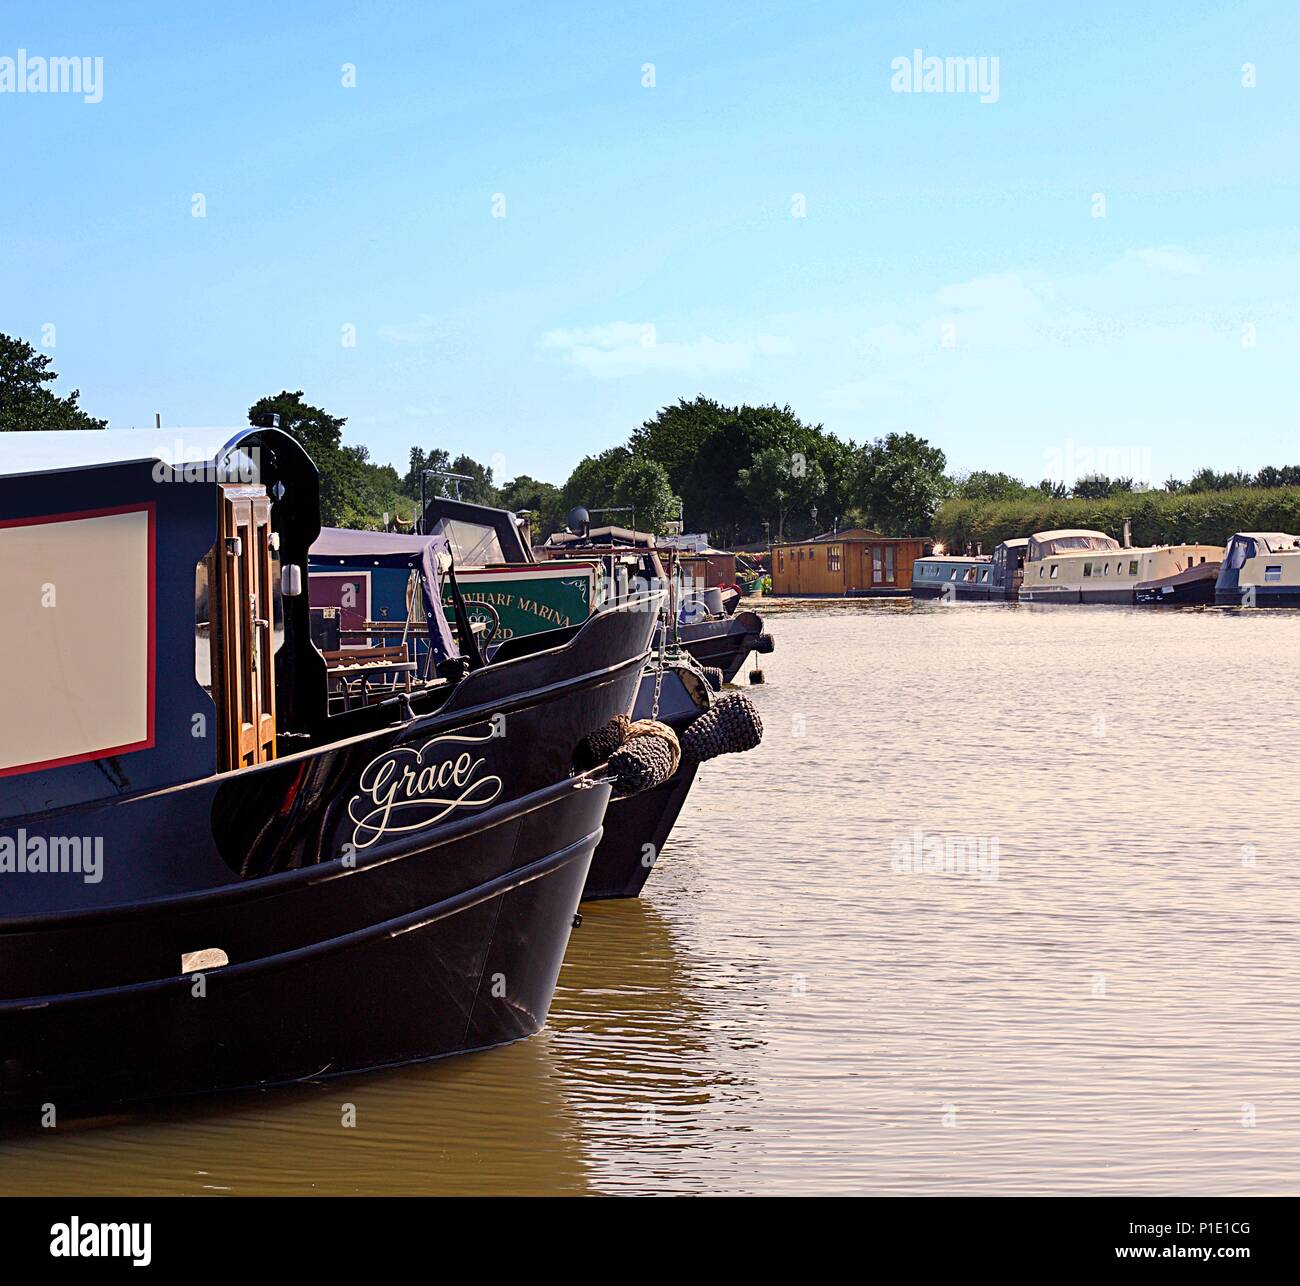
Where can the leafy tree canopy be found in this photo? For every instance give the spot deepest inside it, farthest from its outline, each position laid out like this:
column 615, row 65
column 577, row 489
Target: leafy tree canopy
column 643, row 484
column 779, row 482
column 540, row 499
column 981, row 484
column 1096, row 486
column 591, row 484
column 899, row 483
column 26, row 400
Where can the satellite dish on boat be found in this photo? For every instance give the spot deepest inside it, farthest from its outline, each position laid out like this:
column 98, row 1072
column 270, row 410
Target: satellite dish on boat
column 579, row 521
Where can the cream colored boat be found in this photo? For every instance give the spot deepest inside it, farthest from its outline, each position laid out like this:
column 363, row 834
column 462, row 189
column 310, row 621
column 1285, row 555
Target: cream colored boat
column 1079, row 566
column 1260, row 569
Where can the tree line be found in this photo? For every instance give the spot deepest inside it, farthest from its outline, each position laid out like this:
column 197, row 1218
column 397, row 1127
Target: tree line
column 744, row 474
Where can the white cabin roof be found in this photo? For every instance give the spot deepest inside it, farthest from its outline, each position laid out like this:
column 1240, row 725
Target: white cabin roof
column 57, row 451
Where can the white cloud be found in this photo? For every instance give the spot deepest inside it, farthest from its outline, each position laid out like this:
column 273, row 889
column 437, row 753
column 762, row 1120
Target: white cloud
column 636, row 348
column 1168, row 259
column 423, row 330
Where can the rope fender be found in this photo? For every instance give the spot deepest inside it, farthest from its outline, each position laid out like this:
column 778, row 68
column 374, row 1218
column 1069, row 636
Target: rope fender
column 731, row 726
column 647, row 758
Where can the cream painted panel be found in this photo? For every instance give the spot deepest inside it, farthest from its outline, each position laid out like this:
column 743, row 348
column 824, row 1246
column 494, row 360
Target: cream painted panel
column 74, row 675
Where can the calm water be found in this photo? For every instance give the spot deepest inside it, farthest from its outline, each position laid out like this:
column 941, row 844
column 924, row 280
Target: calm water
column 787, row 1011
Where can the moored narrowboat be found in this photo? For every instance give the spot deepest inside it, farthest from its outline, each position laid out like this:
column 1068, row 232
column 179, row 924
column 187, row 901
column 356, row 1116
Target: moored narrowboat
column 951, row 577
column 676, row 689
column 215, row 872
column 1193, row 586
column 1260, row 569
column 1080, row 566
column 979, row 578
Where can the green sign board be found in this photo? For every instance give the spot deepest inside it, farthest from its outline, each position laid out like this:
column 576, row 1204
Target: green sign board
column 543, row 596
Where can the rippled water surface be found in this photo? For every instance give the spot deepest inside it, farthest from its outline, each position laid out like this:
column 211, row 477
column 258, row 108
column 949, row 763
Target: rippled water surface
column 1099, row 994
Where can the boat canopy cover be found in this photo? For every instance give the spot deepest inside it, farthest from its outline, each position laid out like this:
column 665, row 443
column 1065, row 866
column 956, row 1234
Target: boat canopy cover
column 478, row 535
column 1043, row 544
column 426, row 554
column 1275, row 542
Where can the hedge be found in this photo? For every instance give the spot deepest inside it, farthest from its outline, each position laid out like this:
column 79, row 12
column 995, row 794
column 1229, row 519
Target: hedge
column 1159, row 517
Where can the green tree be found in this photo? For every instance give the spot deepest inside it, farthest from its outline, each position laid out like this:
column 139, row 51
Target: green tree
column 899, row 484
column 778, row 482
column 715, row 499
column 1210, row 480
column 540, row 499
column 1269, row 476
column 478, row 489
column 1097, row 486
column 643, row 484
column 343, row 492
column 26, row 403
column 420, row 460
column 592, row 482
column 981, row 484
column 675, row 434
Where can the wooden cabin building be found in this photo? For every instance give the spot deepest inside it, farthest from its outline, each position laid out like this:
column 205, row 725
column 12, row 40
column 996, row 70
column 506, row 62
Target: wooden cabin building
column 847, row 564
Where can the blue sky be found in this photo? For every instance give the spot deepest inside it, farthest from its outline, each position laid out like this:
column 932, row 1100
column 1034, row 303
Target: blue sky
column 945, row 273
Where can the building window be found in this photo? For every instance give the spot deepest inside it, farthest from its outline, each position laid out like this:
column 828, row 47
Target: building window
column 833, row 558
column 780, row 562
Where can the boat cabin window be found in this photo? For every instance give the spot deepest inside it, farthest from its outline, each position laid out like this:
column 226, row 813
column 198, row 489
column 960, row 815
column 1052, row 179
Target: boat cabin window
column 471, row 544
column 1273, row 572
column 1087, row 569
column 1056, row 567
column 78, row 590
column 1133, row 567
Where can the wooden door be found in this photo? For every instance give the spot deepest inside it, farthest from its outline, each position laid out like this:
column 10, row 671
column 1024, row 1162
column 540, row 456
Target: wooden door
column 244, row 643
column 880, row 572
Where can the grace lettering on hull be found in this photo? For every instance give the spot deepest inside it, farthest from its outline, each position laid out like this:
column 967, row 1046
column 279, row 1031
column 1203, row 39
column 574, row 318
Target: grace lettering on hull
column 407, row 789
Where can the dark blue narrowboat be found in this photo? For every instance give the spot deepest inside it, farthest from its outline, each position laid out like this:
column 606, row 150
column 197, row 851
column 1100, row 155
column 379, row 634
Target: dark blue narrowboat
column 213, row 871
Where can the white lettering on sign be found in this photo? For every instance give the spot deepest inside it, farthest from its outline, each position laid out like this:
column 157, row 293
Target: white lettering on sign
column 406, row 789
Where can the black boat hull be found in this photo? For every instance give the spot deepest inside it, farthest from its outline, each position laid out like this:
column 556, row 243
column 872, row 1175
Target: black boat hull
column 431, row 933
column 638, row 826
column 726, row 641
column 636, row 830
column 1191, row 587
column 461, row 972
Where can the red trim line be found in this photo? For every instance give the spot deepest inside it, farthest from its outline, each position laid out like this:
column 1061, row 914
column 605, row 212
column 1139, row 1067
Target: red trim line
column 150, row 508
